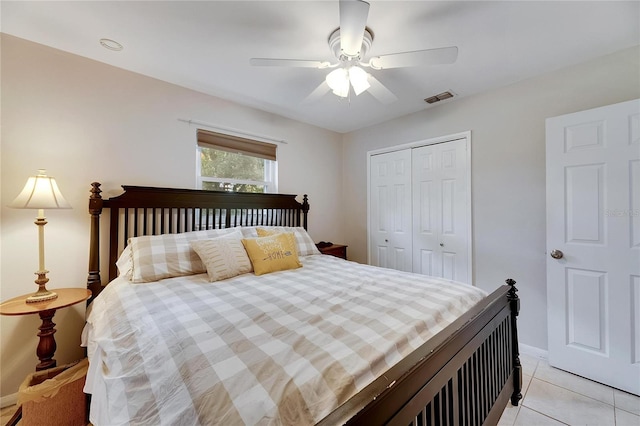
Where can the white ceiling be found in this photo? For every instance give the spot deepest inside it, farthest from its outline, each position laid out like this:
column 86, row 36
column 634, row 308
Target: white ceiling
column 206, row 45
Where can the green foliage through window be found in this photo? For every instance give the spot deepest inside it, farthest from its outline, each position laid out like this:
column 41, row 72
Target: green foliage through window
column 232, row 187
column 232, row 171
column 222, row 164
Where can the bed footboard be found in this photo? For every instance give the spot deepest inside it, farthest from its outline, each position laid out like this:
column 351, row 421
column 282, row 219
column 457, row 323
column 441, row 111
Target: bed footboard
column 466, row 379
column 486, row 374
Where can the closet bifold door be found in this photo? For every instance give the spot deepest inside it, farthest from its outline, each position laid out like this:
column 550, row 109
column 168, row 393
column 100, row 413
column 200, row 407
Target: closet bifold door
column 420, row 209
column 390, row 226
column 440, row 222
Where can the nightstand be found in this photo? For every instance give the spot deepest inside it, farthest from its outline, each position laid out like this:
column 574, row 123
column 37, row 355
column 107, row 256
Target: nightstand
column 46, row 309
column 336, row 250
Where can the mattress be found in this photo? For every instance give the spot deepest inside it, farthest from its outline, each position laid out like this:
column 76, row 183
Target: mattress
column 283, row 348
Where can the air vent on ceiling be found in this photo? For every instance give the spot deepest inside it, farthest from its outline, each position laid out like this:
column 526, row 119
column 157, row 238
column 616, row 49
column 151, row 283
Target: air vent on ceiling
column 437, row 98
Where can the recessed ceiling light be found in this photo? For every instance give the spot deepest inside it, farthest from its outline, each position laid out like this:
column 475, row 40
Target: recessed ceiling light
column 107, row 43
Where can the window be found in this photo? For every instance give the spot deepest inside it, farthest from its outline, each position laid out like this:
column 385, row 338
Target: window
column 232, row 163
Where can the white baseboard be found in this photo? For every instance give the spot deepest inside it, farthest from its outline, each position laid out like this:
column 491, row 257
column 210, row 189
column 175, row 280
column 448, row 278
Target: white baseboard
column 8, row 400
column 533, row 351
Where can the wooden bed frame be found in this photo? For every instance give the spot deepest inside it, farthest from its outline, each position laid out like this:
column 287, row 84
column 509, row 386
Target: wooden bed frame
column 464, row 375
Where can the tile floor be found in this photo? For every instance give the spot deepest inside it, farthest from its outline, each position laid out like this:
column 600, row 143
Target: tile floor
column 552, row 397
column 555, row 397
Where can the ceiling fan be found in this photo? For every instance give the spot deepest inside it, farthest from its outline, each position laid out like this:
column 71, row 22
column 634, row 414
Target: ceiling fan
column 350, row 44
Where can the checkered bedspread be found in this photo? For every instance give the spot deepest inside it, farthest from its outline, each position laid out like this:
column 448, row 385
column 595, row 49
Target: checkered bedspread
column 284, row 348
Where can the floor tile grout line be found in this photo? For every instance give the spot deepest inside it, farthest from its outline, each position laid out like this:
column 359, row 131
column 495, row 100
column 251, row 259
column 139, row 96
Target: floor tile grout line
column 569, row 390
column 578, row 393
column 596, row 383
column 615, row 416
column 548, row 416
column 535, row 368
column 524, row 395
column 519, row 406
column 613, row 390
column 623, row 409
column 532, row 376
column 627, row 411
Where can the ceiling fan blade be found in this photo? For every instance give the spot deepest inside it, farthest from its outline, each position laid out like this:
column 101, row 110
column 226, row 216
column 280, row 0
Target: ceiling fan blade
column 317, row 93
column 353, row 21
column 380, row 92
column 442, row 55
column 295, row 63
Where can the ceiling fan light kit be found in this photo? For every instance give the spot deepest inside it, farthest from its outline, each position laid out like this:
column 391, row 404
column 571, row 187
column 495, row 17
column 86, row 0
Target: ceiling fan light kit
column 359, row 79
column 341, row 79
column 350, row 44
column 338, row 81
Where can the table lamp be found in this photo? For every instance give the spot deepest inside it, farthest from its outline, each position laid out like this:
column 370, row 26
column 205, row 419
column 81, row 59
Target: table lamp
column 41, row 192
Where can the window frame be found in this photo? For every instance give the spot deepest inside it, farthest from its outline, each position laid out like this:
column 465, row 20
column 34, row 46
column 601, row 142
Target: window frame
column 270, row 182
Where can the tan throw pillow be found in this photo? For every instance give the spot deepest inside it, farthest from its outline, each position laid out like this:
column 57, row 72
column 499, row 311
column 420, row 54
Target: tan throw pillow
column 224, row 257
column 274, row 253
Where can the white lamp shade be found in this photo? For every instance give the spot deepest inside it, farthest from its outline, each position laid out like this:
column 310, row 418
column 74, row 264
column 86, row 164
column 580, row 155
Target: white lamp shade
column 359, row 79
column 338, row 81
column 40, row 192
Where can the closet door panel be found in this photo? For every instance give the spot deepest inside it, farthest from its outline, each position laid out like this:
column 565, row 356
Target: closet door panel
column 445, row 206
column 426, row 205
column 390, row 210
column 419, row 212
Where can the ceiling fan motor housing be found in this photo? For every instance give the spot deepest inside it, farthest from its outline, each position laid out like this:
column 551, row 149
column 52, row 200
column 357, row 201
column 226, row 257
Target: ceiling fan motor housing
column 334, row 45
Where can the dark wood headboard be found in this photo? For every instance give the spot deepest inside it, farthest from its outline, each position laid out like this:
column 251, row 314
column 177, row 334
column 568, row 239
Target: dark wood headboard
column 144, row 210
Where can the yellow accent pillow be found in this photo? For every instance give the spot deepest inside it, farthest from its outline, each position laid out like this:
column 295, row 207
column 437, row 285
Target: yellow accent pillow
column 273, row 253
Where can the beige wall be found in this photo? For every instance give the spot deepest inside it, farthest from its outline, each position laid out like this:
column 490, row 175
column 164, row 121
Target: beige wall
column 508, row 169
column 85, row 121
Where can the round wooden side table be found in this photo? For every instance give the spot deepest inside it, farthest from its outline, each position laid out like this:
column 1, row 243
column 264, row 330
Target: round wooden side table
column 47, row 309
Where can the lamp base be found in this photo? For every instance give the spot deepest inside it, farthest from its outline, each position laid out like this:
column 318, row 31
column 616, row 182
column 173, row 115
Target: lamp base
column 41, row 296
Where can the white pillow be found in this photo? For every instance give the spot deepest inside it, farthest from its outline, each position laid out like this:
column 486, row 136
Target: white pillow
column 125, row 263
column 224, row 257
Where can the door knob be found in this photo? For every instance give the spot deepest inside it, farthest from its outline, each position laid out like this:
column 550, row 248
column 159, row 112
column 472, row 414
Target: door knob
column 557, row 254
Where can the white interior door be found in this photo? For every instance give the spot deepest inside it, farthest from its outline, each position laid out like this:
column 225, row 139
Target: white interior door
column 593, row 224
column 390, row 210
column 440, row 210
